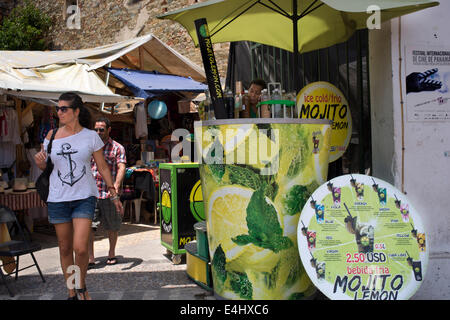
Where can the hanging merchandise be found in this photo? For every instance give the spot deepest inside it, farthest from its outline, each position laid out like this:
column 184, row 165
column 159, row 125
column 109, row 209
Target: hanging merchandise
column 141, row 121
column 10, row 136
column 3, row 123
column 157, row 109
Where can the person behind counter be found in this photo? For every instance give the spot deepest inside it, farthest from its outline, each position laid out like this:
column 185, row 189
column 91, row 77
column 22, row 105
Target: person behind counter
column 254, row 95
column 73, row 191
column 105, row 213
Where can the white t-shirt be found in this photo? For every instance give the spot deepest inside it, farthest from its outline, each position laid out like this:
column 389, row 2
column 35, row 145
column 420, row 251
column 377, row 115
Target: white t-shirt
column 72, row 178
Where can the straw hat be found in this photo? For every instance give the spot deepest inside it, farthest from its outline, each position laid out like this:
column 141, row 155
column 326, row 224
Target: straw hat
column 19, row 185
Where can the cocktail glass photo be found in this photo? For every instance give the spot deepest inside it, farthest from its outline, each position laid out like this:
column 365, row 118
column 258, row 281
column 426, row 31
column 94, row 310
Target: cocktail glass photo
column 416, row 267
column 311, row 238
column 320, row 213
column 421, row 241
column 320, row 270
column 364, row 237
column 404, row 210
column 359, row 189
column 316, row 144
column 382, row 196
column 336, row 196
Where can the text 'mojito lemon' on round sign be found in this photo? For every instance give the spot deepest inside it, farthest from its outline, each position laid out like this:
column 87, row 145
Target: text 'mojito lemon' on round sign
column 322, row 100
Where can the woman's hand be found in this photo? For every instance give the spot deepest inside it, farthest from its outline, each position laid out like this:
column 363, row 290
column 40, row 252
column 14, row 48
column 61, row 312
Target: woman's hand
column 40, row 158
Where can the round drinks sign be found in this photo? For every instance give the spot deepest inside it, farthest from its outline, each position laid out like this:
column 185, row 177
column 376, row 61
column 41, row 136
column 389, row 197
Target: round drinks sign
column 360, row 238
column 322, row 100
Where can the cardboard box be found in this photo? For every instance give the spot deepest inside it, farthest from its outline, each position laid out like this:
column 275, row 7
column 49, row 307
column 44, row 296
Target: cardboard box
column 187, row 106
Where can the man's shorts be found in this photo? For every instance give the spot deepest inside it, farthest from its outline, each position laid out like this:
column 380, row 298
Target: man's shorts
column 65, row 211
column 106, row 215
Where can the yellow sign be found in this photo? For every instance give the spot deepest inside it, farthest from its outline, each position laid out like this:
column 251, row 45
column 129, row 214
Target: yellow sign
column 322, row 100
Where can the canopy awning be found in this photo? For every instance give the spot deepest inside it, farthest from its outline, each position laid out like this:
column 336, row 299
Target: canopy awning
column 143, row 53
column 149, row 84
column 46, row 74
column 49, row 82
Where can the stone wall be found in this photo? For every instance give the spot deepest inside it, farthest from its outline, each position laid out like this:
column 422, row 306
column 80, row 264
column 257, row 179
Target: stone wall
column 105, row 22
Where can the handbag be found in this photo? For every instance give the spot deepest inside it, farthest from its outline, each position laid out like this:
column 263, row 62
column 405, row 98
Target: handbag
column 43, row 181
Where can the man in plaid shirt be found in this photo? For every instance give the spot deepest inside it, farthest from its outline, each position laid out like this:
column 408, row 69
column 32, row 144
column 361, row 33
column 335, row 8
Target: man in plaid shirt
column 105, row 212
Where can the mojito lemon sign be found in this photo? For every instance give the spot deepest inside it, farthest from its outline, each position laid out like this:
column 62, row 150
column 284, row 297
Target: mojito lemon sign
column 196, row 202
column 256, row 176
column 166, row 204
column 322, row 100
column 360, row 238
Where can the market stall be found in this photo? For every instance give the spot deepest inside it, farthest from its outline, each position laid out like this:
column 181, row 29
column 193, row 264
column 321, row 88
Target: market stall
column 31, row 82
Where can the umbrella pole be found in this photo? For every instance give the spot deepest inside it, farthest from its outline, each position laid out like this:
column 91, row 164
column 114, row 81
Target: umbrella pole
column 295, row 18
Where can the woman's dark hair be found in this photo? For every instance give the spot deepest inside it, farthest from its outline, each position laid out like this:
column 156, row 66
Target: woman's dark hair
column 75, row 102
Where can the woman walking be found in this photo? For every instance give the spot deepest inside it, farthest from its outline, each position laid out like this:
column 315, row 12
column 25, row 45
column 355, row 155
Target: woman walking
column 73, row 191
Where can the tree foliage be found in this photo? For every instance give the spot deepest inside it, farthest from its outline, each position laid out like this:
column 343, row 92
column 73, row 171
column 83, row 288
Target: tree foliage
column 25, row 28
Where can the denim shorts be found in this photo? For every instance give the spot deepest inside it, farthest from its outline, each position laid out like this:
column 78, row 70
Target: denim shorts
column 65, row 211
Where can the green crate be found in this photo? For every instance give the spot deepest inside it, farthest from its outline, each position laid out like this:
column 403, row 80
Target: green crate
column 202, row 239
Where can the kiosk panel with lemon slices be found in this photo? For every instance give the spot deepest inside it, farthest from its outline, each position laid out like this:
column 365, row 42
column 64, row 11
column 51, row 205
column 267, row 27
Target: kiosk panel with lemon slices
column 253, row 172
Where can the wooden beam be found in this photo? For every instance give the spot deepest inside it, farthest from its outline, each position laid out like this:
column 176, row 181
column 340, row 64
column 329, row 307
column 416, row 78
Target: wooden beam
column 129, row 62
column 163, row 66
column 141, row 58
column 126, row 118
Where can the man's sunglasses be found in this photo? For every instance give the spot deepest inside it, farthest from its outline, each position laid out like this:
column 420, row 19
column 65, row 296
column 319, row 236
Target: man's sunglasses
column 100, row 129
column 63, row 109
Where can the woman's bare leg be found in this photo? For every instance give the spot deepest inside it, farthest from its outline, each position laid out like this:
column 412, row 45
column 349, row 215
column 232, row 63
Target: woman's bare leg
column 81, row 232
column 64, row 233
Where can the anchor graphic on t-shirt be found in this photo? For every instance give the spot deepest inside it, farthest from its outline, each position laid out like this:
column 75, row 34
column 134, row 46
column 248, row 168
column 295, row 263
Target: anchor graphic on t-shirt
column 70, row 178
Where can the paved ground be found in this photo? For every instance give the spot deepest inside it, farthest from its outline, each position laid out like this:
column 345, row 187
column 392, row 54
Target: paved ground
column 143, row 272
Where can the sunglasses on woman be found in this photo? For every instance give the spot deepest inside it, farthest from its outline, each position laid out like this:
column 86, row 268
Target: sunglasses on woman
column 63, row 109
